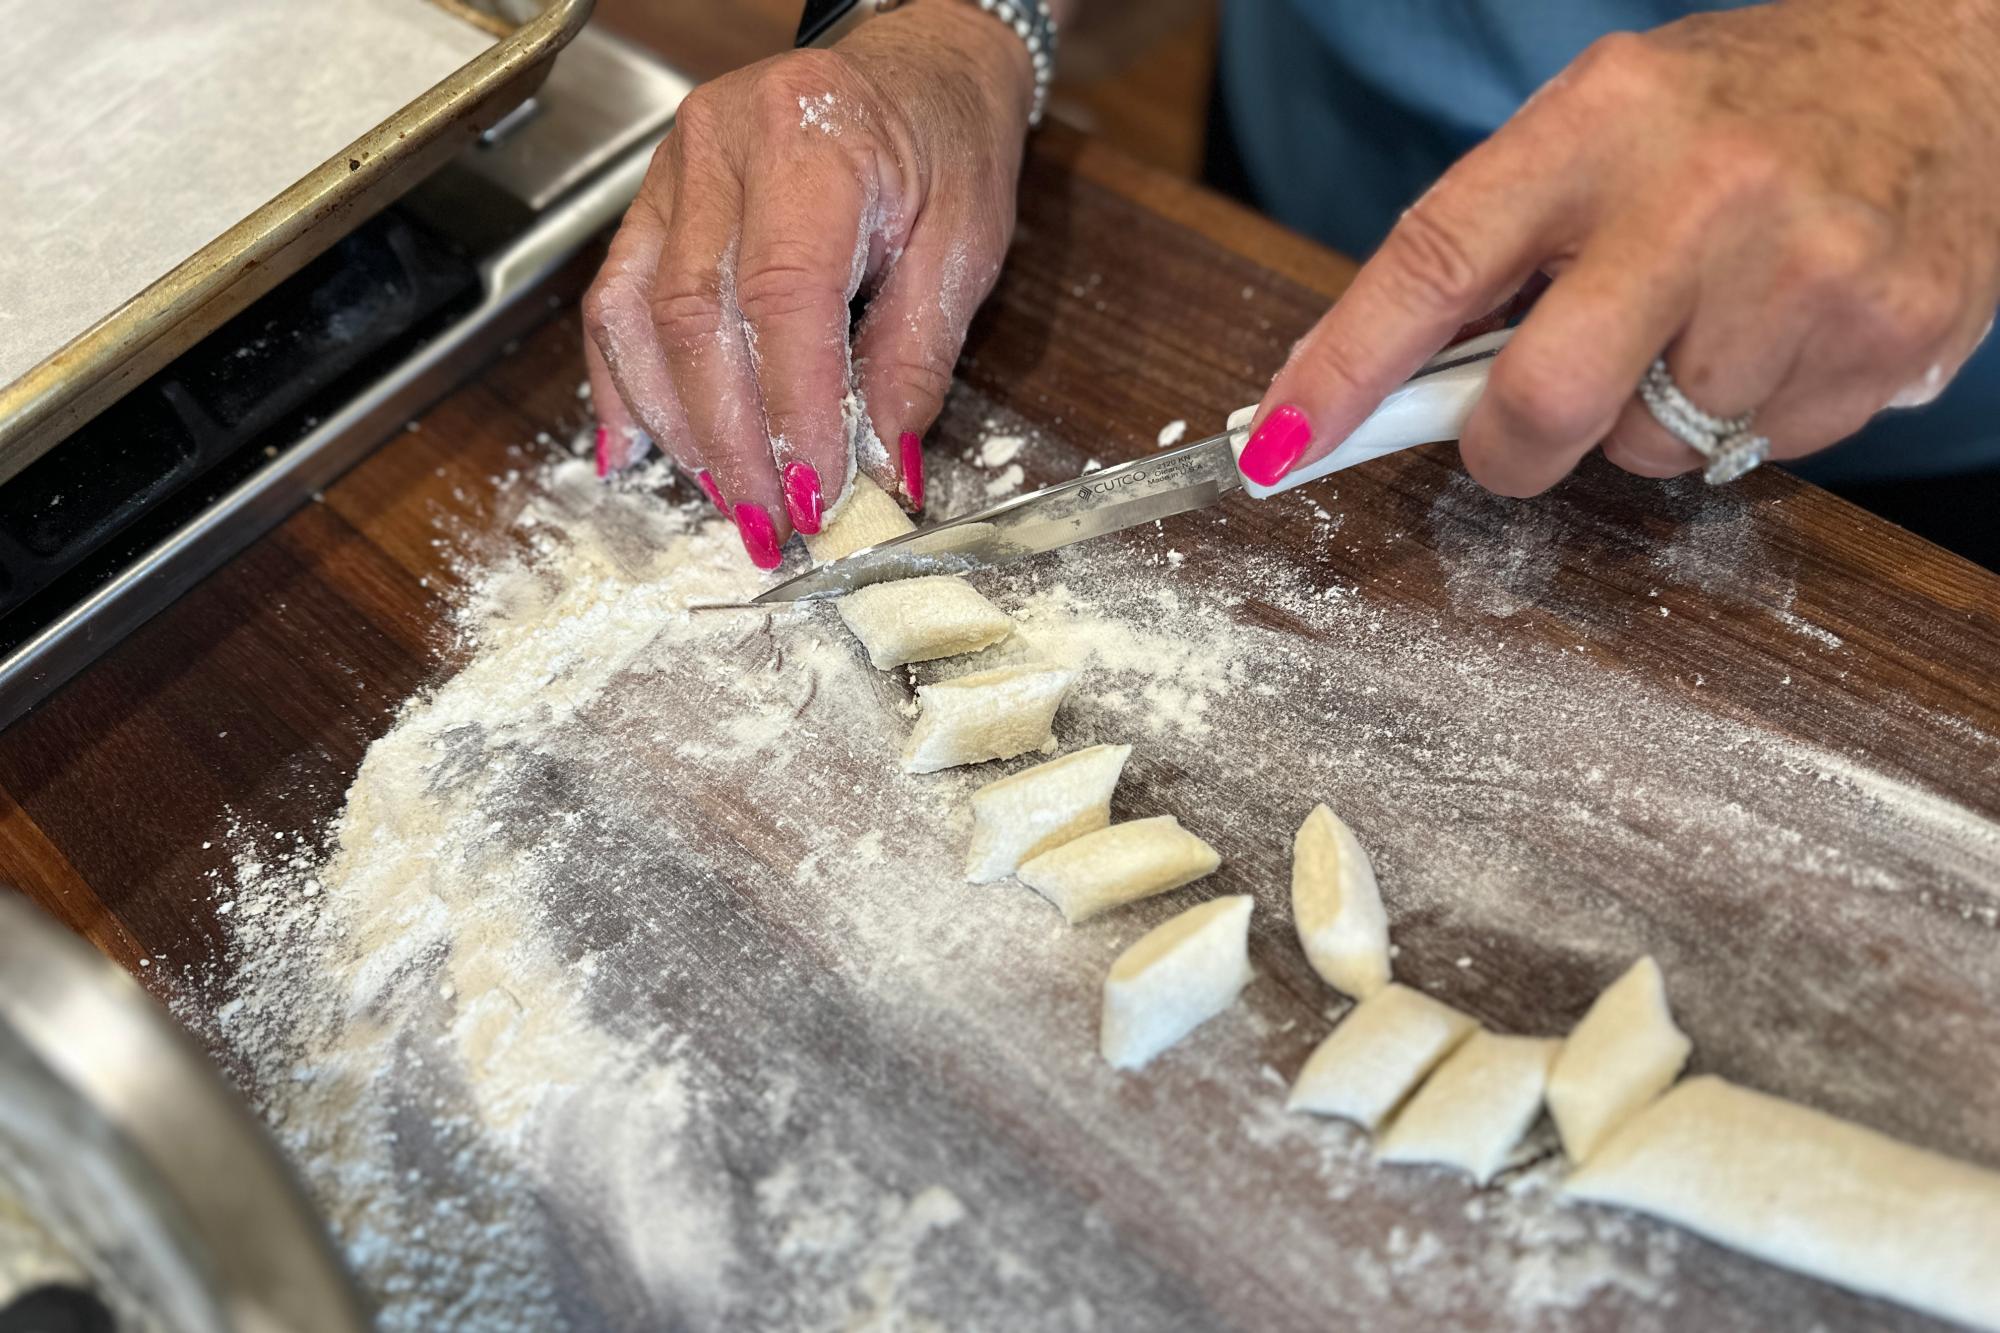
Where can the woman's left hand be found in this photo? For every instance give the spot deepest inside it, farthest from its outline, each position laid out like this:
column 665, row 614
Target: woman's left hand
column 1798, row 203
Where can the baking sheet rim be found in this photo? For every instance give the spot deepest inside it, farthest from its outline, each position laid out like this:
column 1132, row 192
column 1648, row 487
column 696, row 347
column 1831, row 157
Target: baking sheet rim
column 99, row 365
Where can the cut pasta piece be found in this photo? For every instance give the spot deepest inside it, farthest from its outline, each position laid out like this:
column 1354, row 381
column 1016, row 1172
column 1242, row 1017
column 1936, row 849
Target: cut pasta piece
column 1176, row 977
column 919, row 620
column 865, row 515
column 1119, row 865
column 1381, row 1050
column 1040, row 809
column 987, row 715
column 1810, row 1192
column 1622, row 1055
column 1336, row 907
column 1475, row 1108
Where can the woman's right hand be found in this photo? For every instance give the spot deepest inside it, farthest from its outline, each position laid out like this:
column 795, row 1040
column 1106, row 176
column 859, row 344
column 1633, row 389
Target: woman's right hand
column 719, row 326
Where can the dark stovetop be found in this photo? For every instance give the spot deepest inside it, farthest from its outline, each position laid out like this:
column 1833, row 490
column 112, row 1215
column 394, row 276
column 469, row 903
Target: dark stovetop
column 247, row 392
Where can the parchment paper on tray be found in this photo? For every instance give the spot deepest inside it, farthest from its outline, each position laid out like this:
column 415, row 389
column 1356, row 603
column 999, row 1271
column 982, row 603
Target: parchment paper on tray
column 136, row 132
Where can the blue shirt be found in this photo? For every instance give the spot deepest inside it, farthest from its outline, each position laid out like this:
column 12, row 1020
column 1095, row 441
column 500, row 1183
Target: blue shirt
column 1344, row 111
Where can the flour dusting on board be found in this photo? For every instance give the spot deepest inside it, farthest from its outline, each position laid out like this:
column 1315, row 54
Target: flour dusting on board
column 637, row 986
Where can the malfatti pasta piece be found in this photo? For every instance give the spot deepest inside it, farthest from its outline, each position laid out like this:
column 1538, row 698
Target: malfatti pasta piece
column 1471, row 1112
column 987, row 715
column 1622, row 1055
column 1381, row 1050
column 1176, row 977
column 864, row 516
column 1336, row 907
column 920, row 620
column 1041, row 808
column 1119, row 865
column 1800, row 1188
column 910, row 620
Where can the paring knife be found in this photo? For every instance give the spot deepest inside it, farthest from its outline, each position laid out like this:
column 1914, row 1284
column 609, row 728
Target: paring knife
column 1431, row 405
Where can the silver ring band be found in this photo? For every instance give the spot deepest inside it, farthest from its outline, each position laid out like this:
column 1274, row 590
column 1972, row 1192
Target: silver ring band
column 1728, row 443
column 1735, row 455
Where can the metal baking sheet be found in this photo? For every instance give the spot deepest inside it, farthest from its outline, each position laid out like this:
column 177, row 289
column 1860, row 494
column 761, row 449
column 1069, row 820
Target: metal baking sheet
column 169, row 163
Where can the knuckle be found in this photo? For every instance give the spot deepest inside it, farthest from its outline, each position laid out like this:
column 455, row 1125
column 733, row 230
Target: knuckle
column 695, row 120
column 597, row 312
column 784, row 282
column 1429, row 263
column 686, row 312
column 784, row 84
column 1619, row 67
column 1491, row 460
column 606, row 304
column 1543, row 399
column 918, row 380
column 660, row 166
column 1330, row 367
column 1729, row 167
column 1719, row 176
column 812, row 70
column 1835, row 252
column 1910, row 316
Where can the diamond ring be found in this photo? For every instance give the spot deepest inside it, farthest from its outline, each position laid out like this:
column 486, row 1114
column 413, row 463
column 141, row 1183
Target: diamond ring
column 1728, row 443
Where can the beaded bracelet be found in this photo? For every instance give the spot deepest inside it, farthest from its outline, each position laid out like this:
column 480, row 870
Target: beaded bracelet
column 1036, row 27
column 825, row 22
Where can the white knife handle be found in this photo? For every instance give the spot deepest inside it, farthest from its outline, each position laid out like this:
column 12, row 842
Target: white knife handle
column 1431, row 405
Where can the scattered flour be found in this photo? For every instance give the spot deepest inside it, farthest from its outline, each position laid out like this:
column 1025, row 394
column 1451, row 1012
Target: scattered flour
column 1499, row 554
column 1799, row 625
column 1172, row 434
column 1007, row 483
column 1000, row 450
column 636, row 986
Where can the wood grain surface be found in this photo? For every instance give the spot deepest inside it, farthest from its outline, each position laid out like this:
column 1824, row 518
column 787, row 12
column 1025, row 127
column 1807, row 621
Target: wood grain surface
column 1131, row 299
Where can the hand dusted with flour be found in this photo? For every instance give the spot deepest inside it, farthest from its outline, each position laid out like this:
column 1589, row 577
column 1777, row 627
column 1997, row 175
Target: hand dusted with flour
column 718, row 325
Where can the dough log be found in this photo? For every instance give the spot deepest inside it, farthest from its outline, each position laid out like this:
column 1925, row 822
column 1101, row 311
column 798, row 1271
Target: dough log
column 1041, row 808
column 1118, row 865
column 1381, row 1050
column 1336, row 907
column 1475, row 1108
column 987, row 715
column 1810, row 1192
column 1176, row 977
column 1622, row 1055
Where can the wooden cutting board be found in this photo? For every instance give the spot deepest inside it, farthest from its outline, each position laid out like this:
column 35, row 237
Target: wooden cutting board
column 1854, row 973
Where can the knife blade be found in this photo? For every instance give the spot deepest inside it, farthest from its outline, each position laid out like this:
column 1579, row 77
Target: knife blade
column 1431, row 405
column 1092, row 505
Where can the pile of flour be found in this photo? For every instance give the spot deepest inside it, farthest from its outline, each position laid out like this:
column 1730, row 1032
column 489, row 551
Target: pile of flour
column 637, row 986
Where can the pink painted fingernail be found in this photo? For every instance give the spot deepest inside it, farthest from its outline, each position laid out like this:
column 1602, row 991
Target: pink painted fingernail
column 706, row 481
column 760, row 539
column 802, row 495
column 1276, row 446
column 603, row 459
column 912, row 447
